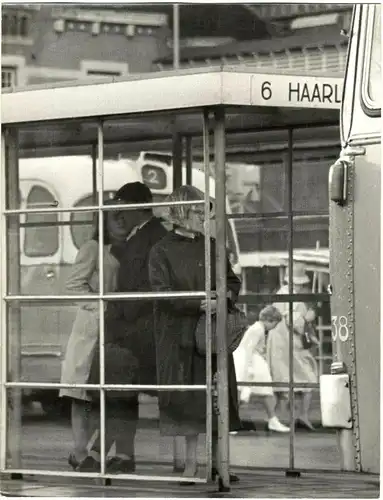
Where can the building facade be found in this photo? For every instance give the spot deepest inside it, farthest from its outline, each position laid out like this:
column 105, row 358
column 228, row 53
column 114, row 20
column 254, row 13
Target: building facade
column 293, row 37
column 48, row 43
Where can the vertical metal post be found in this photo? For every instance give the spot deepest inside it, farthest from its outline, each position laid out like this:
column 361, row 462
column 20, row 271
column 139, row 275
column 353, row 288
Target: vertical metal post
column 209, row 375
column 244, row 287
column 289, row 177
column 94, row 174
column 13, row 285
column 320, row 325
column 221, row 275
column 3, row 324
column 176, row 36
column 189, row 157
column 100, row 184
column 177, row 158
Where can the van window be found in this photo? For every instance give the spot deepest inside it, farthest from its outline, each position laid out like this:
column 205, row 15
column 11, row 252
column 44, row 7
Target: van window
column 81, row 223
column 373, row 69
column 41, row 238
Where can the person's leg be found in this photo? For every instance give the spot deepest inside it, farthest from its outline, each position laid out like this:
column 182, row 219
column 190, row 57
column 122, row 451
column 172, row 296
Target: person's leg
column 80, row 418
column 273, row 424
column 178, row 460
column 191, row 456
column 270, row 404
column 282, row 404
column 305, row 406
column 123, row 427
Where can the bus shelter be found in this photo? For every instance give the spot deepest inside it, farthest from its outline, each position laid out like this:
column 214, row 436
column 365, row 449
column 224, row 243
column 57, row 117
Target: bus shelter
column 211, row 114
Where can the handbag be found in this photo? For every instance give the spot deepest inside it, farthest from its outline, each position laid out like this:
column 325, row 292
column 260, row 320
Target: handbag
column 307, row 342
column 237, row 325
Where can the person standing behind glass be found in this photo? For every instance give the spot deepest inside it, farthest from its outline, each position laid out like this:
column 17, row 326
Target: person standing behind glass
column 177, row 263
column 129, row 333
column 84, row 279
column 251, row 365
column 305, row 368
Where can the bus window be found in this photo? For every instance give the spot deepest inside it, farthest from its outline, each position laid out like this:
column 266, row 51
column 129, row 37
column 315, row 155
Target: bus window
column 159, row 157
column 371, row 88
column 41, row 240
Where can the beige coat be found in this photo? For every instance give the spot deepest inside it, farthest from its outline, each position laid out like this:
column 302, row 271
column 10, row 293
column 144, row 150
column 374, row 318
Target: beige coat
column 84, row 278
column 305, row 366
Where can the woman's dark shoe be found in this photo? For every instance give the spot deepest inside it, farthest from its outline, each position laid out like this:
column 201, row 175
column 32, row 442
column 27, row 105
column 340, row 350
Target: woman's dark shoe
column 89, row 464
column 304, row 424
column 233, row 477
column 73, row 462
column 117, row 465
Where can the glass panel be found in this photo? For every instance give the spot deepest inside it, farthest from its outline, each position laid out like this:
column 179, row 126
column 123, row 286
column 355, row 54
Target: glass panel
column 44, row 440
column 375, row 67
column 256, row 360
column 256, row 173
column 48, row 169
column 312, row 159
column 311, row 232
column 39, row 334
column 312, row 346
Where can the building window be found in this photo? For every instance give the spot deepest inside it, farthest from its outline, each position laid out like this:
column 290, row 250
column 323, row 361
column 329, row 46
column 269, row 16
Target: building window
column 103, row 73
column 15, row 24
column 8, row 77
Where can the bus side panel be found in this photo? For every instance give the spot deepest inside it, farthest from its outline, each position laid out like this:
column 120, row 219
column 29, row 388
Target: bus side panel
column 341, row 278
column 367, row 224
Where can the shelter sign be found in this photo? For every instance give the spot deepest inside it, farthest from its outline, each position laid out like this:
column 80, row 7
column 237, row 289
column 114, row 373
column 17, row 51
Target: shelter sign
column 296, row 91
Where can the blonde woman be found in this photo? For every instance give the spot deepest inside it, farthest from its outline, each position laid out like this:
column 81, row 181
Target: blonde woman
column 84, row 279
column 251, row 365
column 177, row 263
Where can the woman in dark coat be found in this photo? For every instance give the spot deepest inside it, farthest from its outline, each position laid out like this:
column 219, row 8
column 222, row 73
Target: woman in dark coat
column 177, row 263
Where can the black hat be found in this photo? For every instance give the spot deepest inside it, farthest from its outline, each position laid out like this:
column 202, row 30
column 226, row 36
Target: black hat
column 134, row 192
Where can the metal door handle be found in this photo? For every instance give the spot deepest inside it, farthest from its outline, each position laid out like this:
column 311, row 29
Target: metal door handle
column 354, row 151
column 50, row 274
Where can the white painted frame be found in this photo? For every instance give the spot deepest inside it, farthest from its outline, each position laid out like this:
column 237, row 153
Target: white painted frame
column 173, row 90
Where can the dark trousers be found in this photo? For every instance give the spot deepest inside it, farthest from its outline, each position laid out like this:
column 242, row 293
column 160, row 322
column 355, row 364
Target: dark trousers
column 121, row 417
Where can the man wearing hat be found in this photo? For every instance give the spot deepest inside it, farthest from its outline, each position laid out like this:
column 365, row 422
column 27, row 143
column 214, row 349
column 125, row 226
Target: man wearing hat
column 129, row 331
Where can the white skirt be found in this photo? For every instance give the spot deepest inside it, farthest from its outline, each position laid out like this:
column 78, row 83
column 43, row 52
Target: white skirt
column 258, row 372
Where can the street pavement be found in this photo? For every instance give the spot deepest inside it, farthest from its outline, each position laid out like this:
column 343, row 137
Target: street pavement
column 46, row 443
column 259, row 484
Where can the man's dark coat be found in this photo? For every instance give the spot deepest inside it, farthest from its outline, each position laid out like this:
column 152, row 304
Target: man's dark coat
column 129, row 325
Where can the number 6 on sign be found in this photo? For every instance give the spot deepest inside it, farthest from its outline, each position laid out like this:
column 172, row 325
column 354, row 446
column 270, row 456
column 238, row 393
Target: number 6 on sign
column 266, row 91
column 339, row 328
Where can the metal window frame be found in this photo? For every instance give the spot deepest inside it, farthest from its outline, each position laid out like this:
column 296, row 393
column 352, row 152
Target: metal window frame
column 369, row 105
column 101, row 297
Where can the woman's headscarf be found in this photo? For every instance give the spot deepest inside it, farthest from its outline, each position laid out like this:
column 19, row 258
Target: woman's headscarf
column 180, row 216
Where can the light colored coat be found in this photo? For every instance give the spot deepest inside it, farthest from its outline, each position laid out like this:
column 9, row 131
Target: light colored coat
column 84, row 279
column 304, row 367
